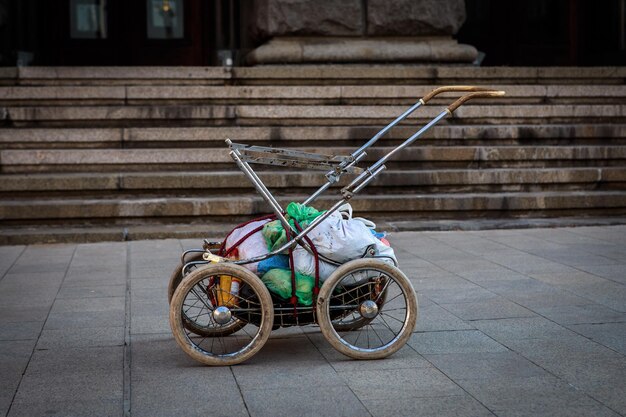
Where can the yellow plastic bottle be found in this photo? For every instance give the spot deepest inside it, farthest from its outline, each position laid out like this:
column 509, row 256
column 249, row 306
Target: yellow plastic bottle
column 228, row 291
column 223, row 295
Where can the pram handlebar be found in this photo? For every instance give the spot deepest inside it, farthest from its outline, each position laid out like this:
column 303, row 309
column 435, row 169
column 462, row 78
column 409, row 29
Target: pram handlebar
column 483, row 94
column 421, row 102
column 452, row 89
column 375, row 169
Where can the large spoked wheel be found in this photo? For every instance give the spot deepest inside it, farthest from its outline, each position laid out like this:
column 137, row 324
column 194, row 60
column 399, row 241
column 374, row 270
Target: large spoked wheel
column 376, row 296
column 198, row 296
column 208, row 329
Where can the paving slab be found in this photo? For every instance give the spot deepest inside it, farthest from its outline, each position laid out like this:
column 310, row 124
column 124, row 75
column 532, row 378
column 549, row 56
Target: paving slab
column 74, row 408
column 486, row 365
column 496, row 308
column 449, row 406
column 549, row 348
column 472, row 293
column 20, row 330
column 285, row 362
column 611, row 335
column 69, row 375
column 296, row 401
column 582, row 314
column 165, row 383
column 86, row 313
column 503, row 330
column 435, row 318
column 14, row 358
column 406, row 357
column 615, row 272
column 91, row 291
column 511, row 324
column 8, row 256
column 532, row 396
column 81, row 337
column 460, row 341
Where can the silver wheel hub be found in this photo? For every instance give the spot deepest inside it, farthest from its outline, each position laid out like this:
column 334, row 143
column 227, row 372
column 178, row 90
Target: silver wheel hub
column 222, row 315
column 368, row 309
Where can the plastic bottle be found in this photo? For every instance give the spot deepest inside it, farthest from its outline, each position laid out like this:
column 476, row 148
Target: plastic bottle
column 223, row 295
column 234, row 291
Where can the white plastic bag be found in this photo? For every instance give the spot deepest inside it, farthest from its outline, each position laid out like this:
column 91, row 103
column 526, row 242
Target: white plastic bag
column 304, row 263
column 252, row 247
column 343, row 240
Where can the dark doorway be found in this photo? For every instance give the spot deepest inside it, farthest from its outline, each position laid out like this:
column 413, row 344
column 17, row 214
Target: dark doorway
column 117, row 32
column 547, row 32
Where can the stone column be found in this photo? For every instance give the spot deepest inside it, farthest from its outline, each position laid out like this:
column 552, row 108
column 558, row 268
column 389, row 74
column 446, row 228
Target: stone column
column 358, row 31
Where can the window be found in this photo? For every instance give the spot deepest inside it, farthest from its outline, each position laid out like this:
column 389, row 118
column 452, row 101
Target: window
column 165, row 19
column 88, row 19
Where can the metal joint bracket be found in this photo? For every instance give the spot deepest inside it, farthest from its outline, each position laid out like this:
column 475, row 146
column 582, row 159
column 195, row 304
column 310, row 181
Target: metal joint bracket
column 208, row 245
column 332, row 177
column 347, row 194
column 208, row 256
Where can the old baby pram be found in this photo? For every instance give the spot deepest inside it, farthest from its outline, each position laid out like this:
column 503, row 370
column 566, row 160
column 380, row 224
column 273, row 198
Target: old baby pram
column 222, row 313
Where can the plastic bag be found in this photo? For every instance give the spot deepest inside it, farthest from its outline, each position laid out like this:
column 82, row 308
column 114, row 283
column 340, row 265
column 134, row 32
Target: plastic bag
column 343, row 240
column 278, row 281
column 274, row 235
column 252, row 247
column 278, row 261
column 302, row 214
column 339, row 237
column 274, row 232
column 304, row 263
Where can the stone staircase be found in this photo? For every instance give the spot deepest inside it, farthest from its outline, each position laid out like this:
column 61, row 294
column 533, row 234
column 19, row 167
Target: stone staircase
column 129, row 153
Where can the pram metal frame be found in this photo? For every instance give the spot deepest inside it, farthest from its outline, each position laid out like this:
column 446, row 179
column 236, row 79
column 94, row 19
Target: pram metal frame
column 323, row 311
column 346, row 165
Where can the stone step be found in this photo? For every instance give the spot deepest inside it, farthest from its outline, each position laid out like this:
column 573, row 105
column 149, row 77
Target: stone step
column 413, row 74
column 170, row 209
column 139, row 137
column 115, row 75
column 310, row 75
column 216, row 231
column 285, row 115
column 346, row 94
column 89, row 160
column 223, row 182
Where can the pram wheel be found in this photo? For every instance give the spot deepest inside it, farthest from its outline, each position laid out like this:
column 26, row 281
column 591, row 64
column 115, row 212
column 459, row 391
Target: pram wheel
column 200, row 296
column 208, row 329
column 367, row 309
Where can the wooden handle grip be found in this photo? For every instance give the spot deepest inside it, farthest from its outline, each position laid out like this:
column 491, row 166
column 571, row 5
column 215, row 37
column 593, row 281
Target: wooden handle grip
column 482, row 94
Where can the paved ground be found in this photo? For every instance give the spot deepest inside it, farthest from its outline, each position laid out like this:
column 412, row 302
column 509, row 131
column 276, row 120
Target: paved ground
column 513, row 323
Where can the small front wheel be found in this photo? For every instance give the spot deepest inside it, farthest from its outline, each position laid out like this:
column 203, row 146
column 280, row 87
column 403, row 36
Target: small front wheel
column 374, row 294
column 201, row 297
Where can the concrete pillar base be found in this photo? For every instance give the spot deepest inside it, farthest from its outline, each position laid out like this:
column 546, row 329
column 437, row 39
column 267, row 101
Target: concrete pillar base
column 316, row 50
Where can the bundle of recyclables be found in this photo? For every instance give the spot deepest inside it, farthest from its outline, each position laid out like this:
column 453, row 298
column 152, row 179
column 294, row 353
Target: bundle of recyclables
column 300, row 265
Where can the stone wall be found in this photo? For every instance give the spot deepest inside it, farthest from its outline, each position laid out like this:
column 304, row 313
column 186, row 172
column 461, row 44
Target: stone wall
column 414, row 18
column 327, row 31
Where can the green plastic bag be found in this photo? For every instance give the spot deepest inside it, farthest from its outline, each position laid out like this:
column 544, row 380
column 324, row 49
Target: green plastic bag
column 274, row 235
column 274, row 232
column 278, row 281
column 302, row 214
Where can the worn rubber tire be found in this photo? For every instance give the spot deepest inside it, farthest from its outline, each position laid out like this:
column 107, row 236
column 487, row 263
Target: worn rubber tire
column 338, row 341
column 266, row 311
